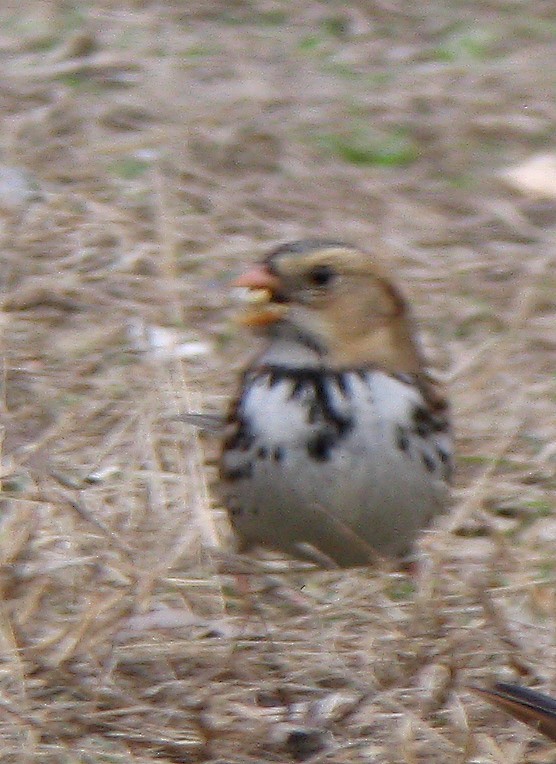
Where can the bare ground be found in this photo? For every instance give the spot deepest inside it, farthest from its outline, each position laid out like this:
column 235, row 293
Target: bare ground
column 149, row 150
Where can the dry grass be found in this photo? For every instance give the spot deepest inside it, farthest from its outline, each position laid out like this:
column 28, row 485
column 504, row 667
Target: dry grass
column 148, row 149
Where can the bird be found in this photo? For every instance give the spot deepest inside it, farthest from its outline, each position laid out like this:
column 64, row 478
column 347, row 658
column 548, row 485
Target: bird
column 528, row 706
column 337, row 448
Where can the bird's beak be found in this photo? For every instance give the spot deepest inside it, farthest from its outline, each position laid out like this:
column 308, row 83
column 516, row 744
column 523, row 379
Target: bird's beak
column 259, row 288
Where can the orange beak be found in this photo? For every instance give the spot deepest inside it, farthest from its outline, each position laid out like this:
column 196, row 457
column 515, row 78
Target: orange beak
column 258, row 277
column 261, row 286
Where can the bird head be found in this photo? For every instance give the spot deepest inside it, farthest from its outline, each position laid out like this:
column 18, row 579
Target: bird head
column 335, row 299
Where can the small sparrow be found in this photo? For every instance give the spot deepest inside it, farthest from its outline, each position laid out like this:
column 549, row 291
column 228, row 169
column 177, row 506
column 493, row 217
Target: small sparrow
column 528, row 706
column 337, row 447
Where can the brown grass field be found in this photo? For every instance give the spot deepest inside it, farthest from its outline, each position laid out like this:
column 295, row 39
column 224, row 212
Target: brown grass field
column 149, row 150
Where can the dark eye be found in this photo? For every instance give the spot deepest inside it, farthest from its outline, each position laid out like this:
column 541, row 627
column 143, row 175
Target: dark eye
column 322, row 275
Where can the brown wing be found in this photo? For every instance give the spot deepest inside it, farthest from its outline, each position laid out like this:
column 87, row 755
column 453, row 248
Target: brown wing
column 528, row 706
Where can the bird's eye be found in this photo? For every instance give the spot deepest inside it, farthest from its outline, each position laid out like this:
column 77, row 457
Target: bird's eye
column 322, row 275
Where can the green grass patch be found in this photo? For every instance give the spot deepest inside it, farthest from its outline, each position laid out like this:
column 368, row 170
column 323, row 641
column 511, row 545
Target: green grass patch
column 545, row 572
column 401, row 590
column 272, row 18
column 310, row 43
column 130, row 168
column 335, row 26
column 466, row 45
column 364, row 147
column 202, row 50
column 540, row 508
column 333, row 29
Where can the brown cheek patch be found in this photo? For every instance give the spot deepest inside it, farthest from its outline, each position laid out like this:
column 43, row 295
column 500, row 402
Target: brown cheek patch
column 396, row 297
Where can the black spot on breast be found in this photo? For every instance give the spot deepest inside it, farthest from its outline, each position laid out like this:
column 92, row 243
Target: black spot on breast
column 421, row 421
column 342, row 381
column 442, row 424
column 443, row 455
column 345, row 426
column 234, row 507
column 297, row 388
column 241, row 439
column 426, row 422
column 428, row 461
column 237, row 473
column 274, row 377
column 278, row 454
column 315, row 387
column 320, row 446
column 262, row 452
column 312, row 413
column 446, row 461
column 402, row 439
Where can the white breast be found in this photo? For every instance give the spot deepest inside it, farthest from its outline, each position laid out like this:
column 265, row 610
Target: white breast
column 352, row 464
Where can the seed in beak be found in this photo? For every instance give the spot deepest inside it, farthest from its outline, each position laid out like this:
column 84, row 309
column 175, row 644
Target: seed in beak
column 253, row 296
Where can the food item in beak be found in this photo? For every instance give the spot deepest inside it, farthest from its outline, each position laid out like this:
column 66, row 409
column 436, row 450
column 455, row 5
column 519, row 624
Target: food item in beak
column 257, row 288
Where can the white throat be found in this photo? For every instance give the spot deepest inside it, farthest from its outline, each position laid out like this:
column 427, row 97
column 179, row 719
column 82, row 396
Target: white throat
column 286, row 352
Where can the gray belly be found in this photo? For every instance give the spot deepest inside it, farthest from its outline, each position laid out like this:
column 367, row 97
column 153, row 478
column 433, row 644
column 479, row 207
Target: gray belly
column 355, row 481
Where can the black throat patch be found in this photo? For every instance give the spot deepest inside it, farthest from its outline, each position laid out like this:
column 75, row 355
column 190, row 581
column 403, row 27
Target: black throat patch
column 318, row 390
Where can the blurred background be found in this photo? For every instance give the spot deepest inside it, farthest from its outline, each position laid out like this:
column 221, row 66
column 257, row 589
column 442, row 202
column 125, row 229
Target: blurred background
column 149, row 150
